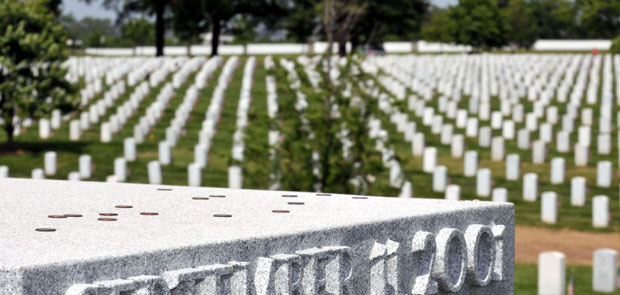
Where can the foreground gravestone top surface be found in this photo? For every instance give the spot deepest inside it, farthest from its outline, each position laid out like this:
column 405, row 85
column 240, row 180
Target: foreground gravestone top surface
column 104, row 231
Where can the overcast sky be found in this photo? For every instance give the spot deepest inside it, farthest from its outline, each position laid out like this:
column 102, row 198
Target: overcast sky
column 79, row 9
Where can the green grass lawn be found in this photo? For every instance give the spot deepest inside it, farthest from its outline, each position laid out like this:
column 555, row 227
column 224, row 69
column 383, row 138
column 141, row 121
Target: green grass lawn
column 526, row 279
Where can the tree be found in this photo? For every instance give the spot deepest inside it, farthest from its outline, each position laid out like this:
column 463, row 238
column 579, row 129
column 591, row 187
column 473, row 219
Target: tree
column 189, row 21
column 615, row 45
column 32, row 50
column 89, row 30
column 555, row 19
column 390, row 20
column 521, row 29
column 479, row 24
column 329, row 119
column 126, row 8
column 302, row 20
column 339, row 18
column 220, row 12
column 599, row 18
column 440, row 27
column 243, row 26
column 139, row 32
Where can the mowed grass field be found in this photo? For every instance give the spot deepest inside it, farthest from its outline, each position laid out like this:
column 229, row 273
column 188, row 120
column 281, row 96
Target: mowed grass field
column 28, row 153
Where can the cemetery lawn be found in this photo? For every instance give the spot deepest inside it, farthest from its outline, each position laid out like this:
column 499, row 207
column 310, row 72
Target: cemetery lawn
column 29, row 150
column 526, row 279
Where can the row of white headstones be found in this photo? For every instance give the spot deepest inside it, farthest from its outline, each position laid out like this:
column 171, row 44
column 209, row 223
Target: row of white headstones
column 484, row 183
column 551, row 264
column 155, row 69
column 552, row 272
column 159, row 71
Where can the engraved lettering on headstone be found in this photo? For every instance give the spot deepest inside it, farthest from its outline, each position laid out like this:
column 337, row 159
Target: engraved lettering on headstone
column 384, row 268
column 327, row 269
column 423, row 245
column 451, row 260
column 210, row 279
column 139, row 285
column 480, row 254
column 278, row 275
column 498, row 267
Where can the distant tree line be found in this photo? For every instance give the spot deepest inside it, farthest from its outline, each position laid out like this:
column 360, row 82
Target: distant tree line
column 486, row 24
column 483, row 24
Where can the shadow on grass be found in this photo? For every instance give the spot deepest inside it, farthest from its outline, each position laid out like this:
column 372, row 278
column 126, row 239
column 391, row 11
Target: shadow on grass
column 33, row 147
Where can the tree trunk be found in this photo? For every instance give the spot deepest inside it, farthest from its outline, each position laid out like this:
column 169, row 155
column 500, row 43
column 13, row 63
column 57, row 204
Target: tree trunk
column 215, row 37
column 159, row 29
column 9, row 128
column 355, row 42
column 342, row 47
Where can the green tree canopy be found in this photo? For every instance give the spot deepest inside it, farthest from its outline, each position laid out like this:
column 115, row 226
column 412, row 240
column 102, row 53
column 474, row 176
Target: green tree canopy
column 139, row 32
column 32, row 79
column 479, row 24
column 158, row 8
column 521, row 28
column 599, row 18
column 302, row 20
column 440, row 27
column 555, row 19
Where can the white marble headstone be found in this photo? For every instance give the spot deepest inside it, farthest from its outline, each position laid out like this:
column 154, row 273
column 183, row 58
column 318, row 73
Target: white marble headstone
column 549, row 207
column 484, row 136
column 600, row 211
column 584, row 135
column 513, row 166
column 453, row 192
column 562, row 144
column 539, row 151
column 551, row 273
column 558, row 168
column 530, row 186
column 578, row 191
column 497, row 149
column 37, row 173
column 604, row 144
column 604, row 270
column 440, row 178
column 194, row 174
column 85, row 166
column 430, row 159
column 458, row 146
column 508, row 129
column 129, row 149
column 235, row 177
column 50, row 163
column 500, row 194
column 581, row 155
column 523, row 139
column 154, row 171
column 106, row 132
column 44, row 128
column 165, row 153
column 74, row 130
column 406, row 191
column 603, row 174
column 120, row 169
column 73, row 176
column 417, row 145
column 4, row 171
column 470, row 163
column 483, row 182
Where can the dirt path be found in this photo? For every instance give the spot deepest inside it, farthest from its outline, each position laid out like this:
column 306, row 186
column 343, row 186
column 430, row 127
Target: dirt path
column 577, row 246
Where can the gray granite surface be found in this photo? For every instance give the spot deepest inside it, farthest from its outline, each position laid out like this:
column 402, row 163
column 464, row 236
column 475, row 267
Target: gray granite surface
column 210, row 240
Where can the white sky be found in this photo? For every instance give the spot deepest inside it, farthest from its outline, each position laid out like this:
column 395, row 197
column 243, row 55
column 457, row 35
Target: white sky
column 80, row 9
